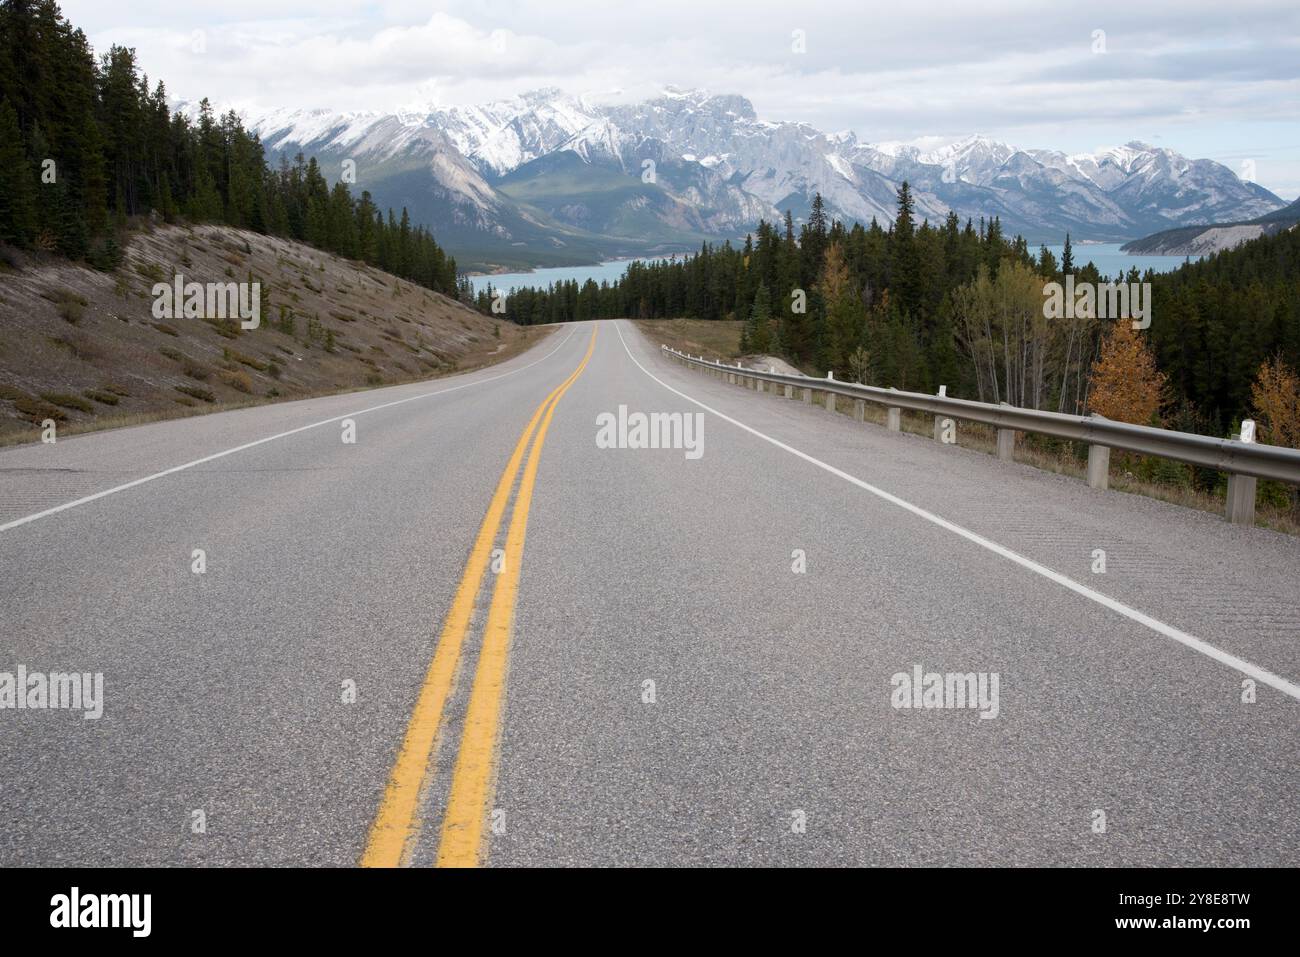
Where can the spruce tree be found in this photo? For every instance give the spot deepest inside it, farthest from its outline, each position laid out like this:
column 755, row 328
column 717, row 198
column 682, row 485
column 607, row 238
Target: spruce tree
column 17, row 183
column 757, row 336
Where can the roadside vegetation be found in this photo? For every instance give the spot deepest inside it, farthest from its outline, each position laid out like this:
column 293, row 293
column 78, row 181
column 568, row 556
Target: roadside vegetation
column 960, row 305
column 713, row 340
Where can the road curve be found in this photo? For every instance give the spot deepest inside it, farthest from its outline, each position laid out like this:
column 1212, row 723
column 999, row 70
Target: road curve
column 659, row 658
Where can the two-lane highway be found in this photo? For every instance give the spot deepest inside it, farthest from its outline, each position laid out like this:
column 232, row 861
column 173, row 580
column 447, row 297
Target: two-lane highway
column 569, row 653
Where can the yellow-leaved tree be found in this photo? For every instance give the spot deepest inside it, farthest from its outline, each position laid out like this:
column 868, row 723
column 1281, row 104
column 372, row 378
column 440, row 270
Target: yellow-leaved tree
column 1125, row 384
column 1276, row 399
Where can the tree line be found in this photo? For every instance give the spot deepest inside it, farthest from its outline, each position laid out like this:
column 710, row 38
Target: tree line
column 916, row 306
column 872, row 304
column 86, row 144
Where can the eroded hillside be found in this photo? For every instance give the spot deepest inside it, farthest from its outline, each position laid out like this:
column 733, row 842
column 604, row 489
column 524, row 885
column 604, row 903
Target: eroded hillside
column 84, row 348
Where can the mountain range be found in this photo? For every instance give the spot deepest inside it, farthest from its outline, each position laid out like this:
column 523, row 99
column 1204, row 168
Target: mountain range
column 1203, row 240
column 548, row 178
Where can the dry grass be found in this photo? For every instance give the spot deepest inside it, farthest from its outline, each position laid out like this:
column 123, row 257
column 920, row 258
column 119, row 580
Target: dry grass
column 121, row 420
column 717, row 339
column 324, row 335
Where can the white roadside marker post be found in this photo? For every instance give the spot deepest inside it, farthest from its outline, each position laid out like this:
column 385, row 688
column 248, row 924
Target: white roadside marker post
column 1241, row 488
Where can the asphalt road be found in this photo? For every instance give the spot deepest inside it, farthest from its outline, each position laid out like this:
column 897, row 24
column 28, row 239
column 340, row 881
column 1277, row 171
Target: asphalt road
column 685, row 661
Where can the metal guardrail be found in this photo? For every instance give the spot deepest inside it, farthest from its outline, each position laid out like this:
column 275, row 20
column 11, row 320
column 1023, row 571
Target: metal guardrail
column 1243, row 461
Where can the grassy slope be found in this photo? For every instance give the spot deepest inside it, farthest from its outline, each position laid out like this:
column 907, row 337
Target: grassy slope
column 83, row 347
column 713, row 339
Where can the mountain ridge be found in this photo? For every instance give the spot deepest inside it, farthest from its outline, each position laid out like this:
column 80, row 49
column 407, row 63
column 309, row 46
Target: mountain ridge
column 1203, row 240
column 716, row 167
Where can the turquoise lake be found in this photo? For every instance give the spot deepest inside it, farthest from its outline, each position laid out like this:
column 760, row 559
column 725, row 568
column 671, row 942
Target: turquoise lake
column 1106, row 256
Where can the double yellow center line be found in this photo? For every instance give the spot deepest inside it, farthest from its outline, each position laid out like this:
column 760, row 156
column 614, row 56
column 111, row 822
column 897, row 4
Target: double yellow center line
column 397, row 825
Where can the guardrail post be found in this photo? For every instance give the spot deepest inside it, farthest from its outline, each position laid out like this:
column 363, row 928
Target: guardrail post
column 1241, row 488
column 1007, row 445
column 1099, row 466
column 1241, row 499
column 1279, row 464
column 941, row 422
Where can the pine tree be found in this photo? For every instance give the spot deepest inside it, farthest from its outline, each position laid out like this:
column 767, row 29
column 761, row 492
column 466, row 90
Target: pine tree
column 107, row 256
column 17, row 184
column 756, row 336
column 813, row 242
column 843, row 314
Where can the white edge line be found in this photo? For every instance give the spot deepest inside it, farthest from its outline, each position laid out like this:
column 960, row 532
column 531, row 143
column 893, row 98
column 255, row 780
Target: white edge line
column 1169, row 631
column 270, row 438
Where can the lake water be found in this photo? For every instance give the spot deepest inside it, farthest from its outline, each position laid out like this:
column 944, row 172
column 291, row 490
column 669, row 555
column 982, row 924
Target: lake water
column 1110, row 262
column 1106, row 256
column 600, row 272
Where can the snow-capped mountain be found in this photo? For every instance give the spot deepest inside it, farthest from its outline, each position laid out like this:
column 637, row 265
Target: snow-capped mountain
column 552, row 174
column 395, row 140
column 502, row 136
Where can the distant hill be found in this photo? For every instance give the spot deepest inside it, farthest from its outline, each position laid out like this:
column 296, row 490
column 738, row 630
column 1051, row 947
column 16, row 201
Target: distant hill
column 1216, row 237
column 83, row 347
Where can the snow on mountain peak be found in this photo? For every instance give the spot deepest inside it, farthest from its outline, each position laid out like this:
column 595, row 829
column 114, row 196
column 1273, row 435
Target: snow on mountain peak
column 743, row 166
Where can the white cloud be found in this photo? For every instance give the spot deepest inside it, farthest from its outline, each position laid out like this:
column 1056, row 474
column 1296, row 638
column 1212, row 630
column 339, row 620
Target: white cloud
column 1175, row 72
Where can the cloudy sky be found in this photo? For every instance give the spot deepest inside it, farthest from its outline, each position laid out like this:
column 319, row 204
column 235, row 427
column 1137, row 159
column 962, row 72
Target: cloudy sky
column 1219, row 80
